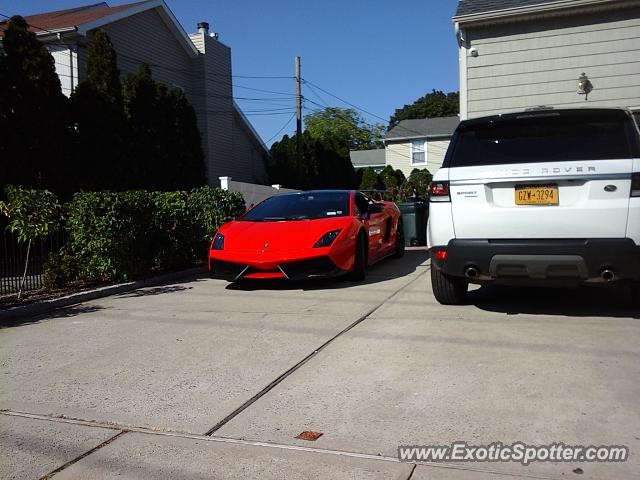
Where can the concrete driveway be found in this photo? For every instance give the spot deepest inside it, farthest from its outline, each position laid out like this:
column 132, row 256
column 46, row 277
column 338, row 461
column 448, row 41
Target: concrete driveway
column 200, row 379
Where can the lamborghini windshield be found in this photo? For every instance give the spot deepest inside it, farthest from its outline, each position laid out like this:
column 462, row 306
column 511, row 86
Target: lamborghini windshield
column 300, row 206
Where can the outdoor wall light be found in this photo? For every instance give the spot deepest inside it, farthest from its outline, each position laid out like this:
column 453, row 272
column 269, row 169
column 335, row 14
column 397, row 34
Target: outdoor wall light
column 584, row 86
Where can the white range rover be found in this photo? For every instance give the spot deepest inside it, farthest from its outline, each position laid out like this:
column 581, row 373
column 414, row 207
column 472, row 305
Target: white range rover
column 541, row 197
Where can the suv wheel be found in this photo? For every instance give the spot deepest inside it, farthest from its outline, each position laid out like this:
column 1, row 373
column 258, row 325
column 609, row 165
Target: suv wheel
column 448, row 290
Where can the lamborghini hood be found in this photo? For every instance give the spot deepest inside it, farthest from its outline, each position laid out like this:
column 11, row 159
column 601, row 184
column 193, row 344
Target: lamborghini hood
column 278, row 236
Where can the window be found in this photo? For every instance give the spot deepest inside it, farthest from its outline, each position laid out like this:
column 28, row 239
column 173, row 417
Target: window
column 418, row 153
column 562, row 135
column 361, row 204
column 300, row 206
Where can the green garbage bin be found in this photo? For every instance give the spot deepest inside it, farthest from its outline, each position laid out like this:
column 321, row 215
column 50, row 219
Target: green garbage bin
column 414, row 220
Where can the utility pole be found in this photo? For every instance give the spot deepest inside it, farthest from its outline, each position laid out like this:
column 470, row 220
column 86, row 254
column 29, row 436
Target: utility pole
column 298, row 110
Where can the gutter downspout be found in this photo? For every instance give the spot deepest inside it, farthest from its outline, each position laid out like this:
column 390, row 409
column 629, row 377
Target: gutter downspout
column 72, row 82
column 462, row 69
column 71, row 78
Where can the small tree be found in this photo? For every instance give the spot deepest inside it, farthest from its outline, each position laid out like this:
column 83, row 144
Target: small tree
column 33, row 214
column 417, row 184
column 371, row 180
column 392, row 180
column 343, row 129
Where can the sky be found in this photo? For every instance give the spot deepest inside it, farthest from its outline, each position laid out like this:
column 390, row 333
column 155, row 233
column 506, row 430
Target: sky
column 375, row 54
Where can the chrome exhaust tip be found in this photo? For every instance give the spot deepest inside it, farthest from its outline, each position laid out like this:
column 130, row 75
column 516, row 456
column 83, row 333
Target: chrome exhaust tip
column 607, row 275
column 471, row 272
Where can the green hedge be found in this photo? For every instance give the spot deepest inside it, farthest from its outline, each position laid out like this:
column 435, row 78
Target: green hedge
column 121, row 235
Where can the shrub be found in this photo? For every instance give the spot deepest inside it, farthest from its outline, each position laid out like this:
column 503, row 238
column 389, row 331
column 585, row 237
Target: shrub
column 174, row 228
column 110, row 233
column 212, row 207
column 59, row 269
column 120, row 235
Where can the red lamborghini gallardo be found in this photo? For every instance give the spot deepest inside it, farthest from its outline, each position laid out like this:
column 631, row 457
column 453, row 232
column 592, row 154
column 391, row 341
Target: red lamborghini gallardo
column 304, row 235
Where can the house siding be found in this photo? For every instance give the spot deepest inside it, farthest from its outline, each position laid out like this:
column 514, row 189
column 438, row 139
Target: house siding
column 398, row 155
column 523, row 65
column 203, row 74
column 213, row 103
column 66, row 63
column 146, row 38
column 436, row 150
column 248, row 164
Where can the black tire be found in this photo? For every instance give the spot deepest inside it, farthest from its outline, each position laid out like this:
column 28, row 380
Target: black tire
column 399, row 252
column 448, row 290
column 360, row 262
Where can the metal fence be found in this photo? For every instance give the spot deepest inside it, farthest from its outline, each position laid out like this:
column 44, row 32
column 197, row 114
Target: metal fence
column 13, row 255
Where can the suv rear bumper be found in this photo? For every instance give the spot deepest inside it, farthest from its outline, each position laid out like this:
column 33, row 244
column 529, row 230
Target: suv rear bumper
column 559, row 261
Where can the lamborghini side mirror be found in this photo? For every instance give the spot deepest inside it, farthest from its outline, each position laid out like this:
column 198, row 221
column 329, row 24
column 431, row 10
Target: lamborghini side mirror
column 375, row 208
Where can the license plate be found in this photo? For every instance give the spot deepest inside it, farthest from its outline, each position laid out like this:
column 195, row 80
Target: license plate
column 537, row 194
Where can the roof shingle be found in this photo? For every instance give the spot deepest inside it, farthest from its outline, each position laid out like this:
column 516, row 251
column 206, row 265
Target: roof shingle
column 367, row 158
column 470, row 7
column 424, row 127
column 70, row 18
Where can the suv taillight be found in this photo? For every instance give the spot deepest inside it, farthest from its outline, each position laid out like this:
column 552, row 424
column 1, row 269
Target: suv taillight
column 440, row 192
column 635, row 184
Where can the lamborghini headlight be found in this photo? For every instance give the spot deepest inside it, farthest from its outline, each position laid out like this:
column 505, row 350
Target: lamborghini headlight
column 218, row 242
column 327, row 239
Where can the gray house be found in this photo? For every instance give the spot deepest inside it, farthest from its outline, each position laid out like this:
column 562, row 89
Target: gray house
column 419, row 143
column 199, row 64
column 517, row 54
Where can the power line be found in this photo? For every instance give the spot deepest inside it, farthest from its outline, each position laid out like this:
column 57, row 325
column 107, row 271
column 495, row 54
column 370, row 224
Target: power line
column 188, row 72
column 349, row 121
column 344, row 101
column 233, row 112
column 283, row 127
column 311, row 85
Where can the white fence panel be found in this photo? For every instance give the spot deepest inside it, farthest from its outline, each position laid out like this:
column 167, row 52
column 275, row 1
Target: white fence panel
column 252, row 192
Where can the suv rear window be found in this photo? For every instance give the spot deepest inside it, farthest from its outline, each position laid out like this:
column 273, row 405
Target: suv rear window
column 544, row 137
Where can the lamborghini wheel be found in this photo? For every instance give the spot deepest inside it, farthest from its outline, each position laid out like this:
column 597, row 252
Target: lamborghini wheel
column 360, row 260
column 399, row 251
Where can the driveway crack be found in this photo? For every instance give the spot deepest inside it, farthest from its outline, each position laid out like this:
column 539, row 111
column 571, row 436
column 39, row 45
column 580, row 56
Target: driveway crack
column 295, row 367
column 85, row 454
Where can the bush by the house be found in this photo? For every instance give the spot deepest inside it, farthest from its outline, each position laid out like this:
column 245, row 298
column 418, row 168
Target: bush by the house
column 121, row 235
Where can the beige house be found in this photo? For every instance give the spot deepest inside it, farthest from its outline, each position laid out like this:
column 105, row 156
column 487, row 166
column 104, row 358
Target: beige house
column 419, row 143
column 199, row 64
column 517, row 54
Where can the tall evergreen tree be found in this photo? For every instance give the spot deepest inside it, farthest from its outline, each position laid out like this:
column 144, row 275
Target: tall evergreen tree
column 97, row 109
column 102, row 68
column 141, row 110
column 165, row 150
column 321, row 165
column 35, row 130
column 186, row 151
